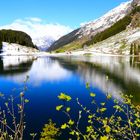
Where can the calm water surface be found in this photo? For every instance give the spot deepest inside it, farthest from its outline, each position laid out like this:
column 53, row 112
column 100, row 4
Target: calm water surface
column 49, row 76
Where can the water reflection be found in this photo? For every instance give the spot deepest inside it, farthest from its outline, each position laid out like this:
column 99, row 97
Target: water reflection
column 15, row 65
column 39, row 69
column 47, row 69
column 135, row 62
column 51, row 75
column 123, row 72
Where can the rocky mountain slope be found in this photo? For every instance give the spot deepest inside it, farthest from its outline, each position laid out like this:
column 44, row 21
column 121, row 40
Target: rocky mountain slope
column 136, row 2
column 112, row 23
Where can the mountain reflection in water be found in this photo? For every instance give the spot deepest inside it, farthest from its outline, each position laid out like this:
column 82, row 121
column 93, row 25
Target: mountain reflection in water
column 123, row 72
column 49, row 76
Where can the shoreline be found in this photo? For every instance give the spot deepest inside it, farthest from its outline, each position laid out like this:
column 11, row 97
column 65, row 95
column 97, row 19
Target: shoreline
column 18, row 50
column 74, row 53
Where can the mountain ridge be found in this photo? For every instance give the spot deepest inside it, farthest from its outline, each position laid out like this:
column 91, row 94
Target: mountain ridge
column 88, row 31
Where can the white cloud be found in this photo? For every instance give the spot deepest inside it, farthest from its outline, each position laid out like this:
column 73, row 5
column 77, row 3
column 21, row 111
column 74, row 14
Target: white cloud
column 34, row 19
column 83, row 23
column 36, row 28
column 42, row 70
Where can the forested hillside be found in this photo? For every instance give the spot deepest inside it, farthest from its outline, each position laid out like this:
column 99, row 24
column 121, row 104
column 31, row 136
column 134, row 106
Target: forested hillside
column 19, row 37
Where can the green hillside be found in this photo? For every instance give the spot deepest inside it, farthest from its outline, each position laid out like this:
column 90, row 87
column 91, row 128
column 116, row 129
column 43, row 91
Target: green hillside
column 64, row 40
column 18, row 37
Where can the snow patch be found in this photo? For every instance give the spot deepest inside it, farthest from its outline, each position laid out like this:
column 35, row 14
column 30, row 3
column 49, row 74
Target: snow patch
column 16, row 49
column 107, row 20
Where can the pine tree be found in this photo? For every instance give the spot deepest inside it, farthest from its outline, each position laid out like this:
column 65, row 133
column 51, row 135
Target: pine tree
column 0, row 44
column 18, row 37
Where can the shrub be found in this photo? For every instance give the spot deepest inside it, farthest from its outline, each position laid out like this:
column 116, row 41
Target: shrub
column 123, row 124
column 50, row 131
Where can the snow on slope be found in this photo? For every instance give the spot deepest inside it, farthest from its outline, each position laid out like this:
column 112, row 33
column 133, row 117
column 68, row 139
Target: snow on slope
column 16, row 49
column 107, row 20
column 118, row 44
column 43, row 42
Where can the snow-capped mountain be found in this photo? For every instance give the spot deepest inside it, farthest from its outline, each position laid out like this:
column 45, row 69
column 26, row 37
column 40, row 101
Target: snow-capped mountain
column 106, row 20
column 43, row 43
column 96, row 26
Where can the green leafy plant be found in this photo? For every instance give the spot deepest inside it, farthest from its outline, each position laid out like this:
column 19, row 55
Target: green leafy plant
column 123, row 123
column 12, row 126
column 50, row 131
column 64, row 97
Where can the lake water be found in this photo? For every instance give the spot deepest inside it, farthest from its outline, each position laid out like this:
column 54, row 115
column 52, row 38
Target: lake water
column 49, row 76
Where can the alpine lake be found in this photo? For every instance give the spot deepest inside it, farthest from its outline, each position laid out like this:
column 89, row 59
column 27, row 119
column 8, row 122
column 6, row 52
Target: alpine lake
column 50, row 76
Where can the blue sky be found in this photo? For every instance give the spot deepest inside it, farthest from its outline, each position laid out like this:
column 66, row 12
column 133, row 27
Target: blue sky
column 65, row 12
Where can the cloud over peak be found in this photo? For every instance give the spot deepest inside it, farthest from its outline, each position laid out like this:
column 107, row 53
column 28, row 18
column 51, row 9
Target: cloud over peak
column 38, row 28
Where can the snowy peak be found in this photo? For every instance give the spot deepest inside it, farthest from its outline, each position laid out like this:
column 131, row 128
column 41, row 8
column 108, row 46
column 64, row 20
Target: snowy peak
column 79, row 36
column 43, row 43
column 107, row 20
